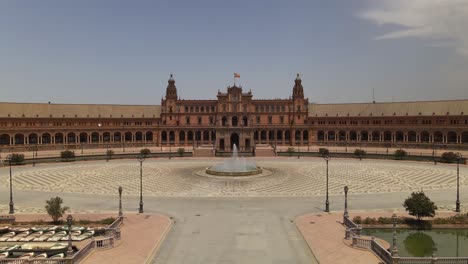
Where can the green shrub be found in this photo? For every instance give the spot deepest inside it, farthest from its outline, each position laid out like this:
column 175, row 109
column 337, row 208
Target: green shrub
column 181, row 152
column 400, row 154
column 369, row 221
column 145, row 152
column 449, row 157
column 16, row 158
column 357, row 220
column 324, row 151
column 67, row 155
column 359, row 153
column 107, row 221
column 291, row 151
column 109, row 153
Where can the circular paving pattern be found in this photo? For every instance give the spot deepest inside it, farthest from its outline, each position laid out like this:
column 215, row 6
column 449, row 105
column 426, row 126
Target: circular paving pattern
column 282, row 177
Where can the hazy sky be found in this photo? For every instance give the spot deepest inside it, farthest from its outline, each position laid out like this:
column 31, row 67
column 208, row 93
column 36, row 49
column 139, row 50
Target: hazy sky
column 99, row 51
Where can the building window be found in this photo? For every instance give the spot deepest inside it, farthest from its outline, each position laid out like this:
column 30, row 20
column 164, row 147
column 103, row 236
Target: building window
column 186, row 109
column 187, row 120
column 270, row 119
column 199, row 120
column 282, row 119
column 283, row 108
column 258, row 119
column 191, row 109
column 211, row 120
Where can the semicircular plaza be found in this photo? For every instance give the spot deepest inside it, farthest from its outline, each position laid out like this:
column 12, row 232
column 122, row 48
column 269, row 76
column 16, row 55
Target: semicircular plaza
column 287, row 177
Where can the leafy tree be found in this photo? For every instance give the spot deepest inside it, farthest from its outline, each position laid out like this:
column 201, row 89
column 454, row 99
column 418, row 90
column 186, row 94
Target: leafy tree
column 419, row 205
column 400, row 154
column 16, row 158
column 54, row 208
column 145, row 152
column 324, row 151
column 449, row 157
column 359, row 153
column 181, row 152
column 67, row 155
column 291, row 151
column 109, row 153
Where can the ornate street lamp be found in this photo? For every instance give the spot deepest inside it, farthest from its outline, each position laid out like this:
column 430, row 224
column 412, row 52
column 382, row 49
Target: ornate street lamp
column 457, row 203
column 298, row 154
column 120, row 202
column 12, row 205
column 346, row 215
column 394, row 244
column 70, row 247
column 327, row 203
column 141, row 158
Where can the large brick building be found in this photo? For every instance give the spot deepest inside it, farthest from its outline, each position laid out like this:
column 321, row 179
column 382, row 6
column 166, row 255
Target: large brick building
column 235, row 117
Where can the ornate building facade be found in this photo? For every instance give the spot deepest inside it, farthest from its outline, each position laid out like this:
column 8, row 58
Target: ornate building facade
column 235, row 117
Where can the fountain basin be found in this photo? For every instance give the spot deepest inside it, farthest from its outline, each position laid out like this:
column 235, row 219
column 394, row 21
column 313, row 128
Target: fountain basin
column 255, row 171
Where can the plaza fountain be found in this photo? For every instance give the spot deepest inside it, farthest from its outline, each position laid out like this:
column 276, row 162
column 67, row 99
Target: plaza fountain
column 234, row 166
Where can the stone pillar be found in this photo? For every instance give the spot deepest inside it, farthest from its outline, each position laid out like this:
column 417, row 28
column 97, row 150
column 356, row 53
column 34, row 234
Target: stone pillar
column 12, row 140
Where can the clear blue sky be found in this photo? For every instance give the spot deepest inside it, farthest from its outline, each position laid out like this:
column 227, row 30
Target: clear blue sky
column 122, row 52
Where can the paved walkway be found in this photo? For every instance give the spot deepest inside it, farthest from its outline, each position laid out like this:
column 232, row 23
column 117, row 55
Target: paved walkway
column 141, row 236
column 324, row 234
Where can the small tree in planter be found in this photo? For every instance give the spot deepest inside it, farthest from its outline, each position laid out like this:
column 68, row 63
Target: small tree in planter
column 419, row 205
column 16, row 158
column 145, row 152
column 109, row 154
column 291, row 151
column 359, row 153
column 54, row 208
column 449, row 157
column 181, row 152
column 67, row 155
column 400, row 154
column 324, row 151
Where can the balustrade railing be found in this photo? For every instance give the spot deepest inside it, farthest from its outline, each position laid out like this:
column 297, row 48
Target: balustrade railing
column 381, row 252
column 362, row 242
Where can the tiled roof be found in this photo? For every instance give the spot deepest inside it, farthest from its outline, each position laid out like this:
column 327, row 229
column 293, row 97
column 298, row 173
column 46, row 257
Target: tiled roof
column 78, row 110
column 429, row 108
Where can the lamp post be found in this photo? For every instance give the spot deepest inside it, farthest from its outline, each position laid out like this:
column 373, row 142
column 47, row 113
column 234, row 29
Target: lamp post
column 394, row 243
column 457, row 203
column 70, row 247
column 346, row 215
column 298, row 154
column 327, row 203
column 434, row 153
column 120, row 202
column 12, row 207
column 141, row 158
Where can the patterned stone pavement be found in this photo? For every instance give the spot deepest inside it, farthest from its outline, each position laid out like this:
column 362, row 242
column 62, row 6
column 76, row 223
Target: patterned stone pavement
column 183, row 178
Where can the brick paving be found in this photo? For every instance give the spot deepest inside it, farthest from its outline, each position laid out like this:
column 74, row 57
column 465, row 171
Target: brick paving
column 141, row 236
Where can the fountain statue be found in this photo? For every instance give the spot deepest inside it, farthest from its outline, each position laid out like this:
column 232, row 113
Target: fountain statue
column 235, row 166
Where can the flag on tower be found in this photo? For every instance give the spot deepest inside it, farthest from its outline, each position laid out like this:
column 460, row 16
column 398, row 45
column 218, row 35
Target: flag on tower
column 236, row 75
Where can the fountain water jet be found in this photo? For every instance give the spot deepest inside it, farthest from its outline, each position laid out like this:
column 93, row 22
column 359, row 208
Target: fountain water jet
column 235, row 166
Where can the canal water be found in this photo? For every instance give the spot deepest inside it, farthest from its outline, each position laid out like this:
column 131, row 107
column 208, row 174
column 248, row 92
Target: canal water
column 424, row 243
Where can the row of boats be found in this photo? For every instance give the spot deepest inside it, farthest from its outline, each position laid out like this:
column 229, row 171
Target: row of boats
column 51, row 234
column 34, row 251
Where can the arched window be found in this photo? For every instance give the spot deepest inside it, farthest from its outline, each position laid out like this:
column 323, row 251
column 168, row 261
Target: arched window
column 83, row 137
column 4, row 139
